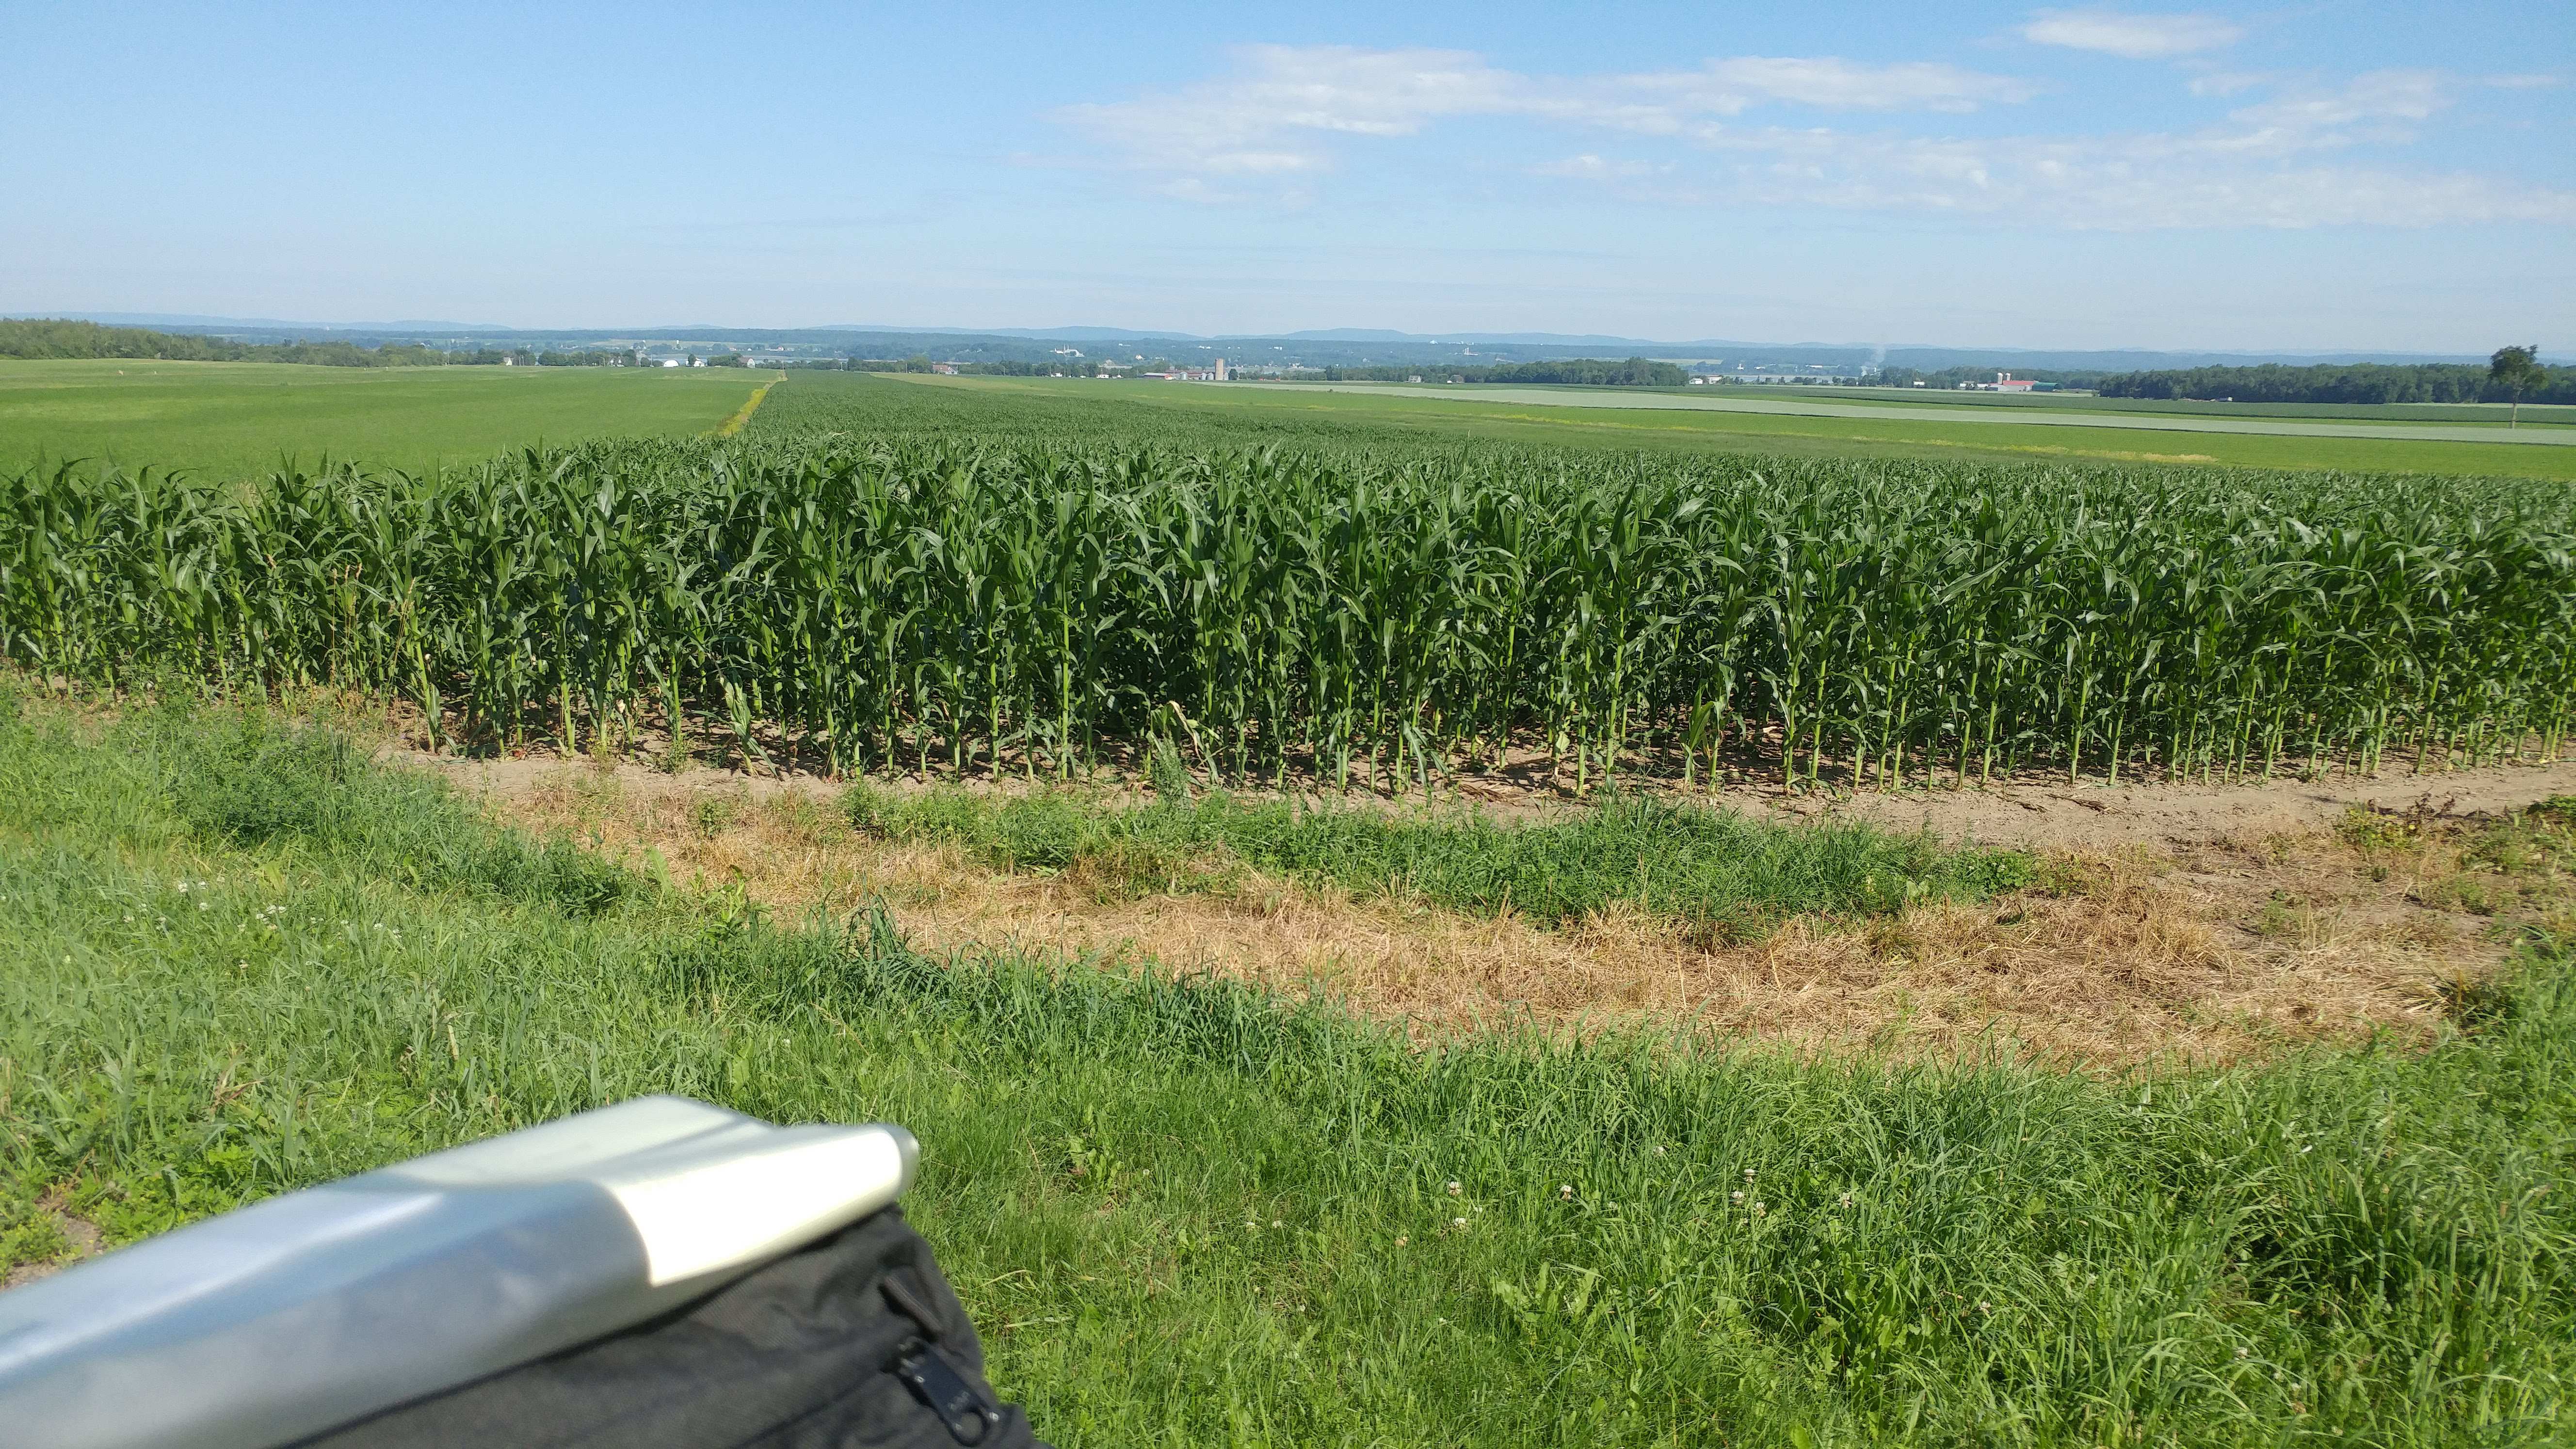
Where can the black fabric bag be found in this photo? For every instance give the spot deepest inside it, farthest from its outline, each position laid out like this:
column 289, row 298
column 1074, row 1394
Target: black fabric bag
column 856, row 1340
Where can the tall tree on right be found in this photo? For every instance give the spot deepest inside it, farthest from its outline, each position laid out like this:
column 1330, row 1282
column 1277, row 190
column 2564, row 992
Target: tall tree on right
column 2518, row 370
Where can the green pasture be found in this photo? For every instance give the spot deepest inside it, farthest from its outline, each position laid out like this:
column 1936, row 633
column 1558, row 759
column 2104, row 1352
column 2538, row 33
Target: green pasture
column 238, row 418
column 1578, row 419
column 236, row 959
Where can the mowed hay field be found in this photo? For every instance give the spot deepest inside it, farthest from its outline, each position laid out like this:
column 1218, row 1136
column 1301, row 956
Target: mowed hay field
column 239, row 419
column 1083, row 782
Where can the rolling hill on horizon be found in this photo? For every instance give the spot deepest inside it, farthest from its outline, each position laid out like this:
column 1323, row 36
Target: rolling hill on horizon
column 1408, row 346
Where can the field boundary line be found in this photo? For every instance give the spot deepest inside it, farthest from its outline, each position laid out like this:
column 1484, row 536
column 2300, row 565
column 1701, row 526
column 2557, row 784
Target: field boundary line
column 733, row 425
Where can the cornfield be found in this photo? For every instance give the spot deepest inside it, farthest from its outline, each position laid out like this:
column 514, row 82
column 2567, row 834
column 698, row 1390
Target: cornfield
column 1361, row 611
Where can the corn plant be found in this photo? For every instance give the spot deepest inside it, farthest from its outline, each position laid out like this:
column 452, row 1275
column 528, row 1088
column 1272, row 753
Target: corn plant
column 876, row 593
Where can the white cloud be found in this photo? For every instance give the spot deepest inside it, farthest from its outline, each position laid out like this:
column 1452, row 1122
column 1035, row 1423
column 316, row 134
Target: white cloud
column 1250, row 124
column 1594, row 168
column 2261, row 170
column 2373, row 106
column 2135, row 37
column 2224, row 82
column 1268, row 132
column 2128, row 183
column 1284, row 101
column 1729, row 86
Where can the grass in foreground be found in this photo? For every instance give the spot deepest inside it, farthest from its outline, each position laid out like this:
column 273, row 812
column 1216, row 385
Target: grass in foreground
column 240, row 419
column 1723, row 874
column 1187, row 1213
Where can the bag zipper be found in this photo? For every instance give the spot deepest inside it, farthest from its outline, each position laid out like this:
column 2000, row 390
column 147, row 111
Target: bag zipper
column 926, row 1370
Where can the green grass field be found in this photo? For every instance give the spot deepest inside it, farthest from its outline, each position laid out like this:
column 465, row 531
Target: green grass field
column 237, row 959
column 232, row 419
column 1606, row 424
column 238, row 418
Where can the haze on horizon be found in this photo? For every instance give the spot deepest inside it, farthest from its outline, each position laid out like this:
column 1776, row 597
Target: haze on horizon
column 2344, row 176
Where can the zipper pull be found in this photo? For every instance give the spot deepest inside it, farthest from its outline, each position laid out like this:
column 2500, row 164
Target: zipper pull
column 970, row 1417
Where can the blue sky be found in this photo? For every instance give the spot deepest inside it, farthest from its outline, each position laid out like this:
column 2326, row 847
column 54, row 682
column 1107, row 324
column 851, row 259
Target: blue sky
column 2313, row 176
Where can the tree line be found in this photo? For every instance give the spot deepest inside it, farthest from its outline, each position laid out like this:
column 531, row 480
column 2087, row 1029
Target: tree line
column 2337, row 382
column 2359, row 382
column 1578, row 371
column 1953, row 376
column 920, row 362
column 55, row 338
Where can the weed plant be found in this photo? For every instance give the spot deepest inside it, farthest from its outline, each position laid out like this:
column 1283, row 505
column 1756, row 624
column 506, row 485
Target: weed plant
column 1185, row 1212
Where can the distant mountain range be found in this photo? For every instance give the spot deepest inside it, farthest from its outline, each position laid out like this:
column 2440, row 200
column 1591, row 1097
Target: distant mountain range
column 190, row 322
column 2119, row 358
column 1322, row 346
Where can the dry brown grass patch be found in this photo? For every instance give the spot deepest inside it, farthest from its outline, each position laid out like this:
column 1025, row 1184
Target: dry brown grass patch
column 2224, row 951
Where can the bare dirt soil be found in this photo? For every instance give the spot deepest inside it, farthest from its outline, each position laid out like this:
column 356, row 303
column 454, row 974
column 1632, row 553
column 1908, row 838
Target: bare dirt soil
column 2091, row 816
column 2206, row 923
column 78, row 1238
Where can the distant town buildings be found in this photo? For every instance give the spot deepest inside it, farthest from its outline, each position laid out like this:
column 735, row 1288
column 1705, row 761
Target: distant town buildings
column 1216, row 373
column 1709, row 371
